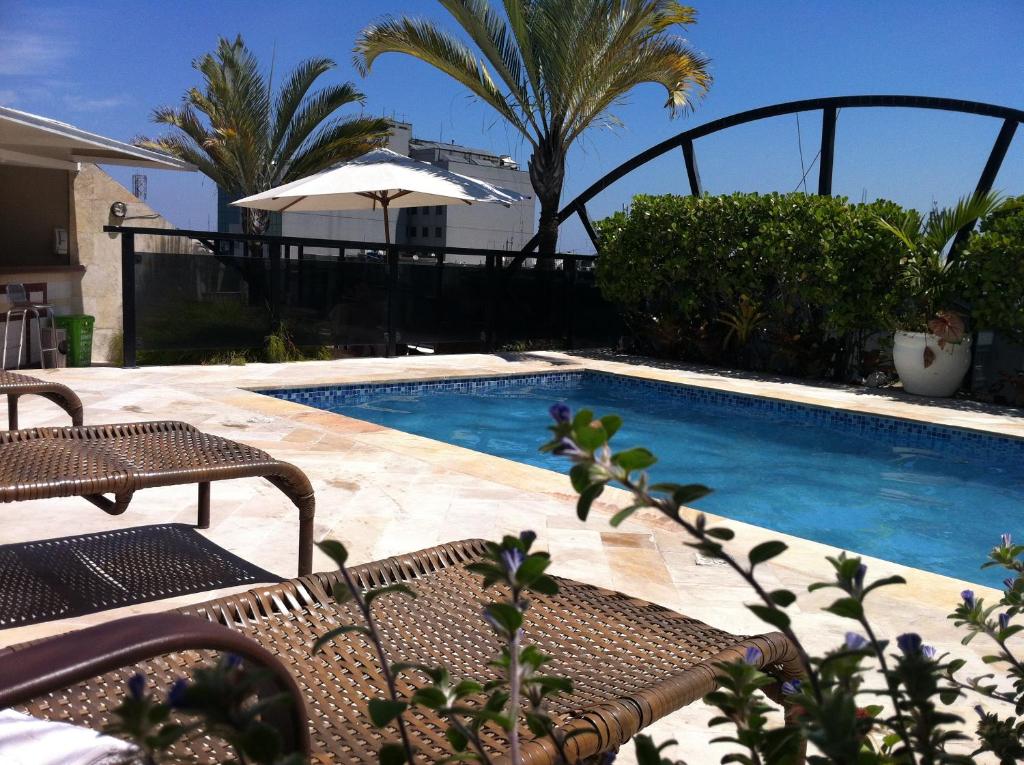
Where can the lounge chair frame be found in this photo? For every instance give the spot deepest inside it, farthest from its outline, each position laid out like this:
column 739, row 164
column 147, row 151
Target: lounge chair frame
column 632, row 661
column 15, row 385
column 96, row 460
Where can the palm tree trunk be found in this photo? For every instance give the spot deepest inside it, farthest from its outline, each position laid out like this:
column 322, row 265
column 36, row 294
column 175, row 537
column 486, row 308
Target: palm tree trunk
column 547, row 174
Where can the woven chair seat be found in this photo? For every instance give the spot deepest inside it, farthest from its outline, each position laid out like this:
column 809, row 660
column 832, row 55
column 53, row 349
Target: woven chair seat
column 632, row 662
column 15, row 385
column 95, row 460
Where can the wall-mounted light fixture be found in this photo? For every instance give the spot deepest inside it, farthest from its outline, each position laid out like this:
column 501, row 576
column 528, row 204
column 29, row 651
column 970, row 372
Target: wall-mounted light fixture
column 118, row 210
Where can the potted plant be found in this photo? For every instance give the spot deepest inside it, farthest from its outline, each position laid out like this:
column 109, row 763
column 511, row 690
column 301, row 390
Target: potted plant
column 931, row 348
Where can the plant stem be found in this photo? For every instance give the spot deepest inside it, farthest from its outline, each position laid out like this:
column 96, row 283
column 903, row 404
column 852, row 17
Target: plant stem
column 385, row 667
column 748, row 576
column 889, row 683
column 471, row 736
column 513, row 686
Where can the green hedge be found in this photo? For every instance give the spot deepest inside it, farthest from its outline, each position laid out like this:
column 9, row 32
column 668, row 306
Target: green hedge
column 788, row 283
column 992, row 272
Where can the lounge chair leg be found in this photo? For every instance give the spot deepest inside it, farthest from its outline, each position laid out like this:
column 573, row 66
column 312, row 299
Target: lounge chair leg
column 306, row 515
column 12, row 411
column 203, row 521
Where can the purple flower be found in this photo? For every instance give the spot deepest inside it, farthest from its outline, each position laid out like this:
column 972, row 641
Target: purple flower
column 790, row 687
column 753, row 656
column 1008, row 583
column 858, row 578
column 176, row 696
column 968, row 596
column 527, row 537
column 1004, row 620
column 909, row 643
column 136, row 684
column 855, row 642
column 1007, row 539
column 567, row 448
column 560, row 412
column 928, row 651
column 512, row 559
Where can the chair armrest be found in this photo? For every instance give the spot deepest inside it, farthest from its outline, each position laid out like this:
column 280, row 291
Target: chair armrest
column 59, row 662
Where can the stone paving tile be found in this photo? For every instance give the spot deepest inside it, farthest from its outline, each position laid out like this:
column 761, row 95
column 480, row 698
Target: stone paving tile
column 383, row 493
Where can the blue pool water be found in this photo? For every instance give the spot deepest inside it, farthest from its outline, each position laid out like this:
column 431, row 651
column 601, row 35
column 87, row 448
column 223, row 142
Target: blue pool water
column 926, row 496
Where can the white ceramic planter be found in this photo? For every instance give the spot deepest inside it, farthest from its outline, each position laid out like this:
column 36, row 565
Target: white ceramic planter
column 943, row 376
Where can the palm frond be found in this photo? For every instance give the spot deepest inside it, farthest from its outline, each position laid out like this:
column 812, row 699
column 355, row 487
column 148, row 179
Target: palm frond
column 312, row 115
column 292, row 93
column 491, row 34
column 423, row 40
column 942, row 226
column 337, row 141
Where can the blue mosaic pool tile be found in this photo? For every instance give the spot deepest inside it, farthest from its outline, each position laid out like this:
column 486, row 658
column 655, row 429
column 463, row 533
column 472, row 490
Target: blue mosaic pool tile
column 957, row 442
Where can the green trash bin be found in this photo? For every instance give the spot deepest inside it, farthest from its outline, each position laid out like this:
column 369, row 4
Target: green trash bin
column 79, row 336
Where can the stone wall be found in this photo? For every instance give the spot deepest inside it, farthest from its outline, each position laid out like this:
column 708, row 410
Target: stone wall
column 93, row 192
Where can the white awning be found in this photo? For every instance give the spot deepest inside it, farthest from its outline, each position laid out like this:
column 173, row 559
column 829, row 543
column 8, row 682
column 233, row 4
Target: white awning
column 34, row 141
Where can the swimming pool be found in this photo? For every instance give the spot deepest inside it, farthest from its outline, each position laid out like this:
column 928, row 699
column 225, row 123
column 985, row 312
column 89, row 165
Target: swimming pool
column 927, row 496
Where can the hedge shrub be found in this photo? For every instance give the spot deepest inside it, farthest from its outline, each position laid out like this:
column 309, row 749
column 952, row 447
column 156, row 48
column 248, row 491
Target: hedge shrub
column 992, row 272
column 808, row 278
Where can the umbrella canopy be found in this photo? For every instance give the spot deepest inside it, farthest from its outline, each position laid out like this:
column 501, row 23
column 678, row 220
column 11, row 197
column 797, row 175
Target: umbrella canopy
column 379, row 179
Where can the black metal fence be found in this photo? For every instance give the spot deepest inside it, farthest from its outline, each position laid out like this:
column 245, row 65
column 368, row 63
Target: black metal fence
column 232, row 290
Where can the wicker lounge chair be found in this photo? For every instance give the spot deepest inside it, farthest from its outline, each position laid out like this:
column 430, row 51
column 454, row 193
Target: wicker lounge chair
column 632, row 662
column 14, row 386
column 121, row 459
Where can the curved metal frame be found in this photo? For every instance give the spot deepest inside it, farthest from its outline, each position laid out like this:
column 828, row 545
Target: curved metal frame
column 829, row 108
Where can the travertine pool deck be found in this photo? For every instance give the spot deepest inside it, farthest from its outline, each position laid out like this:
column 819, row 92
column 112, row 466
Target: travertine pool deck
column 384, row 492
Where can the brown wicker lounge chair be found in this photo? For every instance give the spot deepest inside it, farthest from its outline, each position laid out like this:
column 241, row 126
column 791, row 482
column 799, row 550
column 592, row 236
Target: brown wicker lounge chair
column 14, row 386
column 632, row 662
column 121, row 459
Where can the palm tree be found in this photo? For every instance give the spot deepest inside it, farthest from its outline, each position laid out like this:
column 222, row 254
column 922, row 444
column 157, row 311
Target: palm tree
column 551, row 68
column 247, row 140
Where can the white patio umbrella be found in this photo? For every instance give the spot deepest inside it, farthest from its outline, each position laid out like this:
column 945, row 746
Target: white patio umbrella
column 380, row 178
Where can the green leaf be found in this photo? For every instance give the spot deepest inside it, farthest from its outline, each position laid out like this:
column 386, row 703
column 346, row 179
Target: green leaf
column 884, row 583
column 334, row 550
column 586, row 499
column 848, row 608
column 341, row 592
column 580, row 477
column 691, row 492
column 507, row 616
column 592, row 436
column 720, row 533
column 544, row 585
column 582, row 419
column 392, row 754
column 532, row 567
column 623, row 514
column 328, row 636
column 456, row 739
column 383, row 711
column 372, row 595
column 766, row 551
column 430, row 696
column 782, row 598
column 611, row 423
column 772, row 616
column 637, row 458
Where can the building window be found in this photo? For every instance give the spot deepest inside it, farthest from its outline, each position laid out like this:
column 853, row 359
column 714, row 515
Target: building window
column 425, row 210
column 426, row 231
column 412, row 210
column 411, row 231
column 438, row 232
column 439, row 209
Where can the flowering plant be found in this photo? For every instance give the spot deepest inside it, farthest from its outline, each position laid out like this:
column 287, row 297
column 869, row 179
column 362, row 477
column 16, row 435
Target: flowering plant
column 905, row 720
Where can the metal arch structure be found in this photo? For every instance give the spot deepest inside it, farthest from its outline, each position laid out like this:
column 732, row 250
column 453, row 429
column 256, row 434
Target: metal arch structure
column 829, row 107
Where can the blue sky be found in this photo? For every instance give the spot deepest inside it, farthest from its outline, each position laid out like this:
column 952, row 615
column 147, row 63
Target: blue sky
column 103, row 66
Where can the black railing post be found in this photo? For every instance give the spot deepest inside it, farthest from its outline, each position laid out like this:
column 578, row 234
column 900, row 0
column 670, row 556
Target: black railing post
column 569, row 267
column 128, row 300
column 491, row 302
column 275, row 286
column 828, row 150
column 392, row 285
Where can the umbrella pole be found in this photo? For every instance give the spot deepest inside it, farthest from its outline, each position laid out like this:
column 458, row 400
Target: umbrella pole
column 387, row 228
